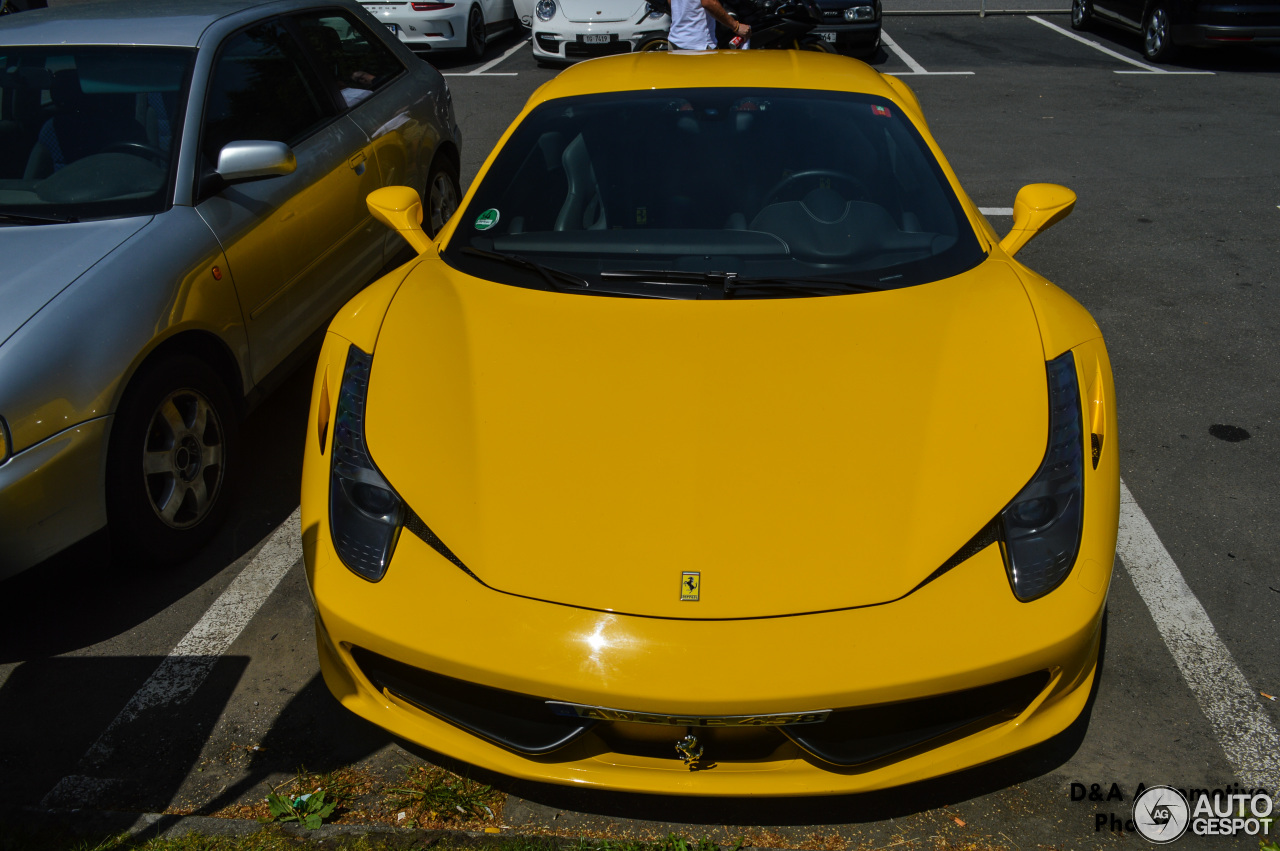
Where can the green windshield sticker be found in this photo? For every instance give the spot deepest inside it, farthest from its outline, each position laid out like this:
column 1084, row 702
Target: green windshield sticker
column 487, row 219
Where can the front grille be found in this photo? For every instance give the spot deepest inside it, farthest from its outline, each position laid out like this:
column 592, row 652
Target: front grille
column 858, row 736
column 579, row 48
column 514, row 721
column 722, row 744
column 849, row 737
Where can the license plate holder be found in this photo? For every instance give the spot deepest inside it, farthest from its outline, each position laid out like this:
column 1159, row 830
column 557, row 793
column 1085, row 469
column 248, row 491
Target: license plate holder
column 827, row 36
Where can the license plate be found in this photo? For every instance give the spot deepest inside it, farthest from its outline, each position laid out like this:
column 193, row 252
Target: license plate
column 395, row 30
column 828, row 36
column 595, row 39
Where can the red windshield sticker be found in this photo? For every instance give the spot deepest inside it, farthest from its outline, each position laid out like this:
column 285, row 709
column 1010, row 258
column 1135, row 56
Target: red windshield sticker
column 882, row 111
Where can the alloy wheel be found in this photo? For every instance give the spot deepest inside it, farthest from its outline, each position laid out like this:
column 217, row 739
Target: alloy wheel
column 182, row 459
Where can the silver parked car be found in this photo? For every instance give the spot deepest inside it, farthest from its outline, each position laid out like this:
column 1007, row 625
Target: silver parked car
column 182, row 206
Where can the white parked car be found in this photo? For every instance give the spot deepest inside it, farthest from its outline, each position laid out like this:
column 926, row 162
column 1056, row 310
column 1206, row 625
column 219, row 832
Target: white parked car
column 565, row 30
column 467, row 25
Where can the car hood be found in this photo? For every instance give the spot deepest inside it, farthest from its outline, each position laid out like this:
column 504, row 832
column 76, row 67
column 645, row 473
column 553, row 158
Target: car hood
column 799, row 454
column 40, row 261
column 601, row 11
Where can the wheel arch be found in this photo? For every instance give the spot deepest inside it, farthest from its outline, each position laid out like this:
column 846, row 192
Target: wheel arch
column 446, row 149
column 201, row 344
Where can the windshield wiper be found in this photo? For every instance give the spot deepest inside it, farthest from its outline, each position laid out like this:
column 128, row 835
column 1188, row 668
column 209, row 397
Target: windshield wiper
column 31, row 219
column 555, row 278
column 730, row 282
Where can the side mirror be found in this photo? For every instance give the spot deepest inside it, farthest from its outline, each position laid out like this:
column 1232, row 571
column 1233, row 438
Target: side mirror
column 1037, row 206
column 249, row 159
column 400, row 208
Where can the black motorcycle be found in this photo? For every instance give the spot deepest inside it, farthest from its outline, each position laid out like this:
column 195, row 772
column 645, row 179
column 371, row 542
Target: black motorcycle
column 775, row 25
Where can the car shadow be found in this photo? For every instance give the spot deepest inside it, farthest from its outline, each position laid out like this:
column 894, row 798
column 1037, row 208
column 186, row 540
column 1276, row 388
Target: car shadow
column 85, row 595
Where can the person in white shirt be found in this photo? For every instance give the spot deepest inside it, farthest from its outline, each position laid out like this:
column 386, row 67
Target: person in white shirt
column 693, row 24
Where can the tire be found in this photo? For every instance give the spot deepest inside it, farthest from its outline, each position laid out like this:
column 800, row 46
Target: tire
column 1157, row 38
column 475, row 34
column 1081, row 14
column 171, row 461
column 442, row 195
column 657, row 44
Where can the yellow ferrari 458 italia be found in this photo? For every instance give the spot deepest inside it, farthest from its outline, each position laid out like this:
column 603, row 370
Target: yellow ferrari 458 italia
column 717, row 446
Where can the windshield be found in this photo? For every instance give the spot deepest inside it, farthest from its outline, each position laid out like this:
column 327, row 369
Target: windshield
column 88, row 132
column 728, row 183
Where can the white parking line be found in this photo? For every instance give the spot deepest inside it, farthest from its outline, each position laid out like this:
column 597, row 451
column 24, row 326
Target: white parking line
column 1246, row 734
column 917, row 70
column 1146, row 69
column 483, row 69
column 179, row 676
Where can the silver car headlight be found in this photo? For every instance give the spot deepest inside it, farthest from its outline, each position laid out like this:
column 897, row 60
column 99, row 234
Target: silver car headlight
column 365, row 513
column 1042, row 526
column 860, row 13
column 654, row 14
column 545, row 10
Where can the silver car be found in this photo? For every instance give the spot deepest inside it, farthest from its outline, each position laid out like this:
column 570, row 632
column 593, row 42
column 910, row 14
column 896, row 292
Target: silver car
column 182, row 207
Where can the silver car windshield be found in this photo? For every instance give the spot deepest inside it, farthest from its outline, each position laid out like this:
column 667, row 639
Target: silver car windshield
column 88, row 132
column 665, row 186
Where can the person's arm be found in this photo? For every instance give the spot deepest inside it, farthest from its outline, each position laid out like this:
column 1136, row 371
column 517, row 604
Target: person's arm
column 718, row 12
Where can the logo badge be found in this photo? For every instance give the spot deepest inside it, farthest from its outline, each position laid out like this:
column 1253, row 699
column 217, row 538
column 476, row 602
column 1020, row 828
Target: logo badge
column 690, row 585
column 1161, row 814
column 690, row 751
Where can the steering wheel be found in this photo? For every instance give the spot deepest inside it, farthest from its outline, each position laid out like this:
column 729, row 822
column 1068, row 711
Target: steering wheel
column 138, row 149
column 859, row 193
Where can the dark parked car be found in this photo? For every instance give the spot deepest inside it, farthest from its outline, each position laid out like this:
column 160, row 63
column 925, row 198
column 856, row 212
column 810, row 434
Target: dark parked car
column 853, row 26
column 182, row 205
column 1166, row 25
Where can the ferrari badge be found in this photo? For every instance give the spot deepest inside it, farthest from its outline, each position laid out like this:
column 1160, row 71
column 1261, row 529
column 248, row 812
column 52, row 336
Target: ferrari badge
column 690, row 585
column 690, row 751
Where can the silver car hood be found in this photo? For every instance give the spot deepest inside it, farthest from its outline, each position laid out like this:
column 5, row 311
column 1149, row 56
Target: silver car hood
column 41, row 261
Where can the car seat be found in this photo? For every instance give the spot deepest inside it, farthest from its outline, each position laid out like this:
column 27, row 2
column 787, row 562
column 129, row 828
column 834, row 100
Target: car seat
column 83, row 125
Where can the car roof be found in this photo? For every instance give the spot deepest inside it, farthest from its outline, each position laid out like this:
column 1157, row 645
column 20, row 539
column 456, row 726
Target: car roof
column 776, row 69
column 141, row 22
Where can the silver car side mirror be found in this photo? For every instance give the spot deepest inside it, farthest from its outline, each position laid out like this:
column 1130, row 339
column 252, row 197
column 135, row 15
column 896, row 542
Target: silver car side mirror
column 254, row 158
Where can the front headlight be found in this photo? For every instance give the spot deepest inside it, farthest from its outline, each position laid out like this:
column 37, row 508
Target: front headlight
column 654, row 14
column 6, row 445
column 545, row 10
column 365, row 514
column 1042, row 526
column 860, row 13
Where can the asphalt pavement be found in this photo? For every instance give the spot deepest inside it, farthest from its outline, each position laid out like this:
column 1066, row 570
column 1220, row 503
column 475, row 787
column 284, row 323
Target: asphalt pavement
column 196, row 691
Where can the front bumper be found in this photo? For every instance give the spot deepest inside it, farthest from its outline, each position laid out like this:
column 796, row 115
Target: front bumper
column 52, row 495
column 855, row 36
column 429, row 615
column 566, row 46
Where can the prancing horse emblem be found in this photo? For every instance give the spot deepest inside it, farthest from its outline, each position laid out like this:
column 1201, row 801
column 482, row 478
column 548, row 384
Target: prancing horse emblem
column 690, row 751
column 690, row 585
